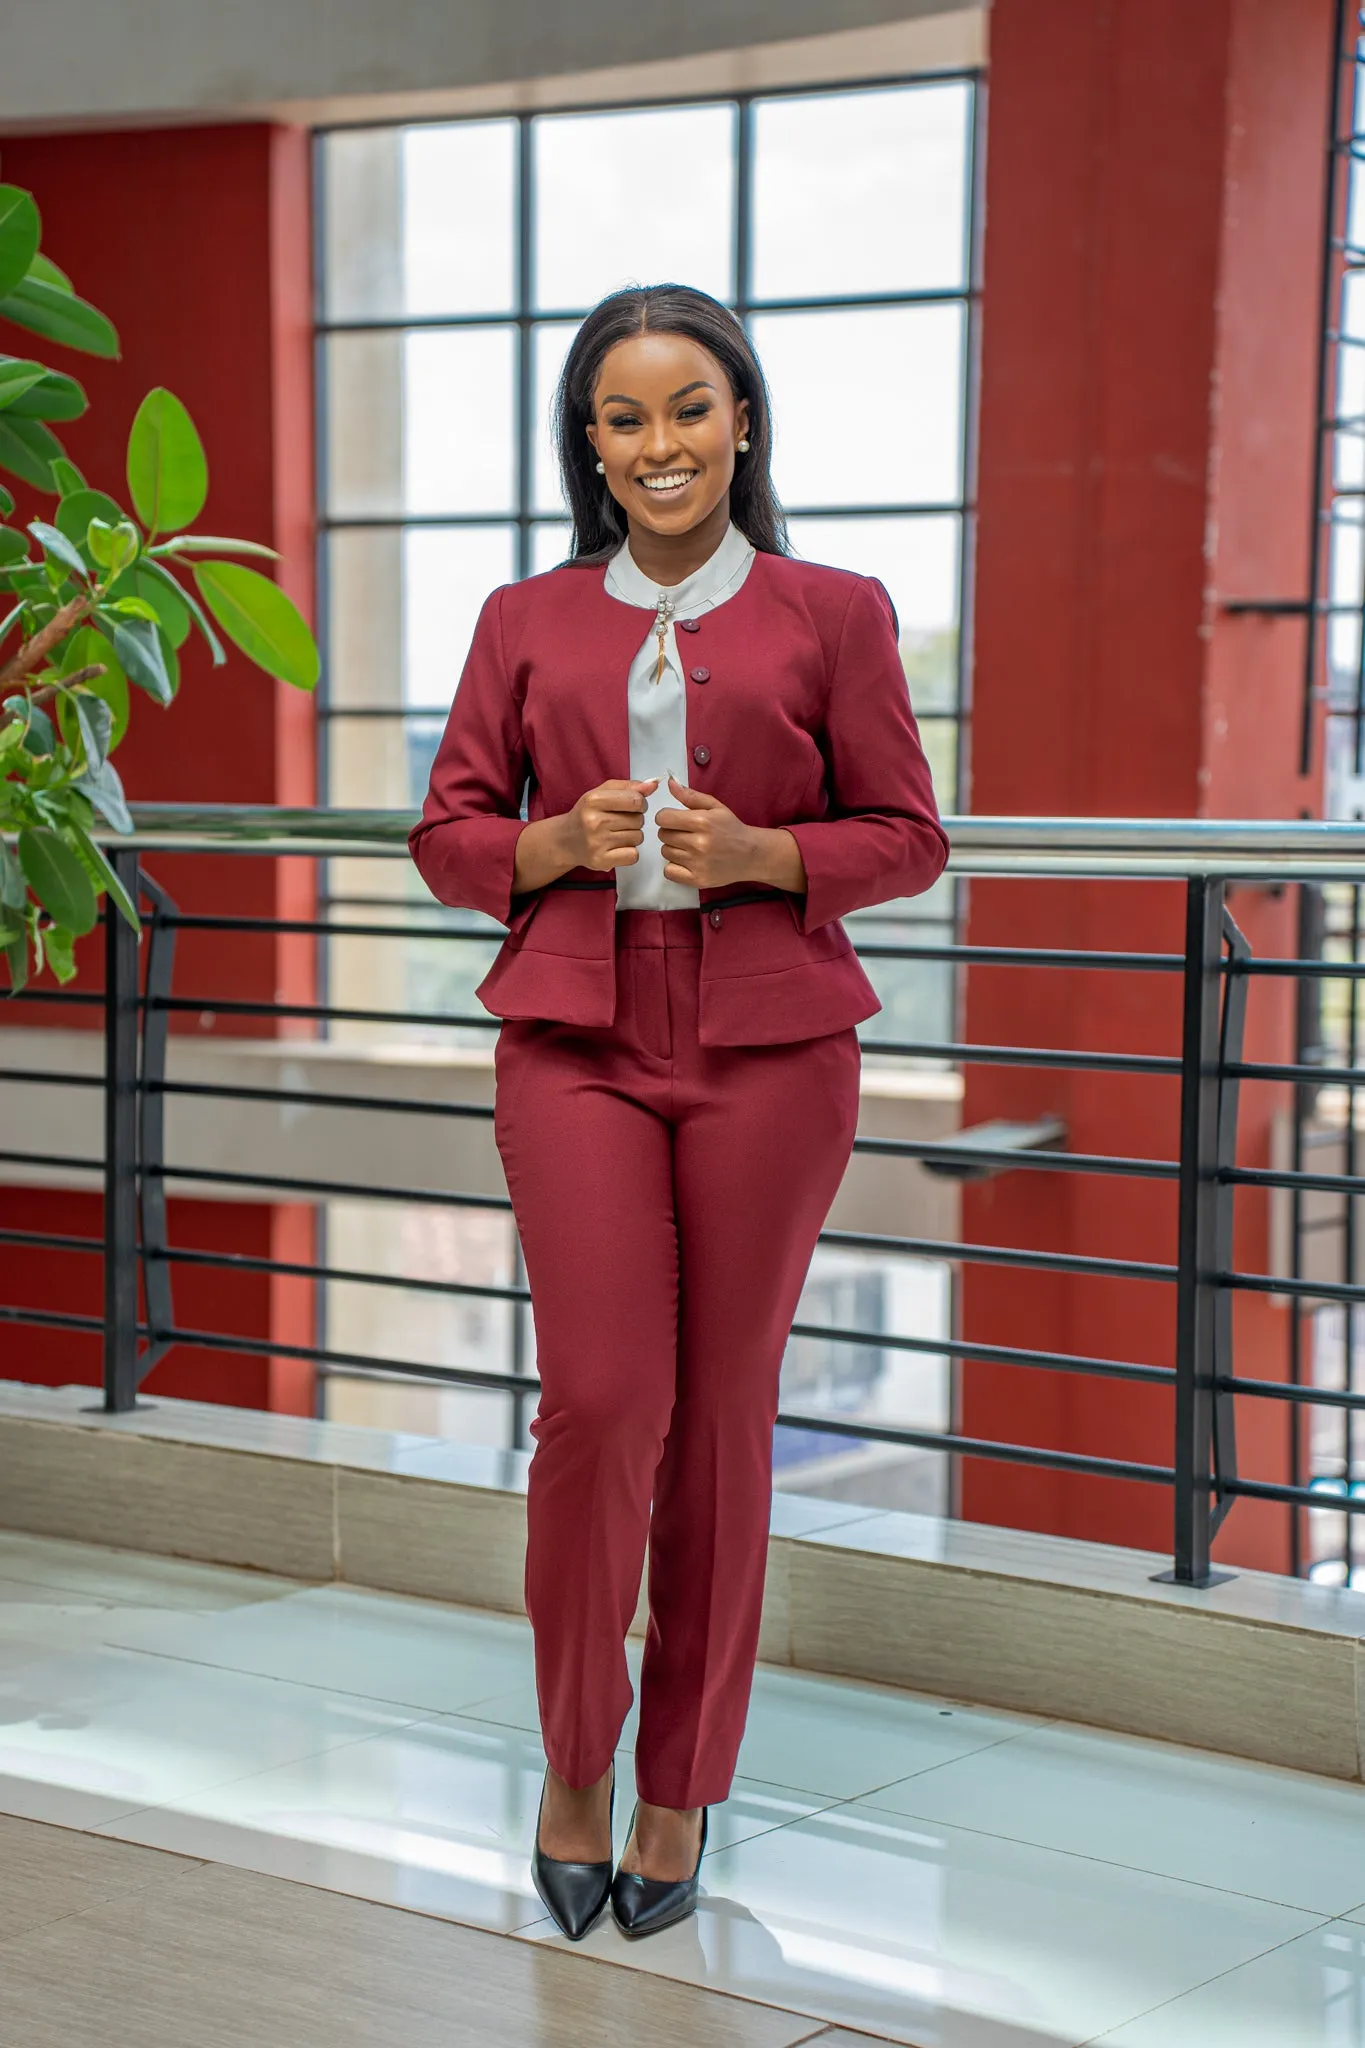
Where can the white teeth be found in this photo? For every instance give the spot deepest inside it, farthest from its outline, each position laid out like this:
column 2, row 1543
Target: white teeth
column 672, row 482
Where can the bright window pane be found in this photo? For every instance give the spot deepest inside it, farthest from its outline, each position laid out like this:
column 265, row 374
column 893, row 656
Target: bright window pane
column 421, row 422
column 861, row 192
column 633, row 198
column 420, row 220
column 917, row 560
column 550, row 346
column 447, row 574
column 867, row 405
column 550, row 545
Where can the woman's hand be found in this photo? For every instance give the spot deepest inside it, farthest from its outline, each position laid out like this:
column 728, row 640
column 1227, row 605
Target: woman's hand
column 606, row 825
column 707, row 846
column 604, row 829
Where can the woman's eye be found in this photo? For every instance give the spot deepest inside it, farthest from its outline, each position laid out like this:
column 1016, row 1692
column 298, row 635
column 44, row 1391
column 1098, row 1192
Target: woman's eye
column 694, row 412
column 625, row 419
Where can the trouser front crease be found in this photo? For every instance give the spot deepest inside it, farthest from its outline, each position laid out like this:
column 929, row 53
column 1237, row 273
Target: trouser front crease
column 668, row 1198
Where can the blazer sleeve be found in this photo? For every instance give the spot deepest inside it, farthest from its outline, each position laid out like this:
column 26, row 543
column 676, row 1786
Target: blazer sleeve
column 464, row 844
column 882, row 837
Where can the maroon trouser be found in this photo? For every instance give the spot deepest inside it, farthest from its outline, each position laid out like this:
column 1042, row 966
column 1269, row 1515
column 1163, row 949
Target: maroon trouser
column 669, row 1196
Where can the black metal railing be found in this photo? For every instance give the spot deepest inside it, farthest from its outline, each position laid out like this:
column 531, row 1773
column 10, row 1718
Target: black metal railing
column 1216, row 972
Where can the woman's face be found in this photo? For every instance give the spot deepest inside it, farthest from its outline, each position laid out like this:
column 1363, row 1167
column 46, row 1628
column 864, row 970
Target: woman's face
column 666, row 426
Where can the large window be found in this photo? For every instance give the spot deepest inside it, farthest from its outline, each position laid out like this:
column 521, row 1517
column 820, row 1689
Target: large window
column 456, row 262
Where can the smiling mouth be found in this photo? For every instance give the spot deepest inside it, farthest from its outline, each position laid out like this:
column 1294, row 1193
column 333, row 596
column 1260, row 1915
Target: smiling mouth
column 669, row 483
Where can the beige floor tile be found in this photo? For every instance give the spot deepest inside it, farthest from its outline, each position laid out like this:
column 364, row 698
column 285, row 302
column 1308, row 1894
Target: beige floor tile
column 47, row 1873
column 232, row 1958
column 184, row 1500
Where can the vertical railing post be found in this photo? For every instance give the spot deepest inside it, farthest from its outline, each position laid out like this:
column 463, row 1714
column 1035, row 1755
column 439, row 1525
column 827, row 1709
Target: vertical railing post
column 120, row 1145
column 1197, row 1232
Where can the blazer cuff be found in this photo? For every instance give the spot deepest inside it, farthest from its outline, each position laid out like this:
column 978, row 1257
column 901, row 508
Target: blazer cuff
column 470, row 864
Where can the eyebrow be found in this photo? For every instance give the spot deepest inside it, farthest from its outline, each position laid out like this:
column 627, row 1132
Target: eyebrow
column 620, row 398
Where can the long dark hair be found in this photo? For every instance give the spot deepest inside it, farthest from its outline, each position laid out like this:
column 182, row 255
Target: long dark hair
column 598, row 521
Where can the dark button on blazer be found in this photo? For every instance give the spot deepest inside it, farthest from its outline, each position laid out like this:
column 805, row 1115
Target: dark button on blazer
column 809, row 726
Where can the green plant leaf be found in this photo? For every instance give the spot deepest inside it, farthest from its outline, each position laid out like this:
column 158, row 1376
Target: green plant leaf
column 53, row 397
column 16, row 959
column 13, row 546
column 41, row 737
column 87, row 646
column 17, row 375
column 43, row 267
column 105, row 791
column 6, row 503
column 75, row 512
column 168, row 475
column 102, row 874
column 28, row 450
column 60, row 947
column 95, row 720
column 55, row 312
column 20, row 233
column 58, row 879
column 55, row 543
column 134, row 608
column 68, row 477
column 138, row 647
column 264, row 623
column 151, row 577
column 210, row 544
column 13, row 890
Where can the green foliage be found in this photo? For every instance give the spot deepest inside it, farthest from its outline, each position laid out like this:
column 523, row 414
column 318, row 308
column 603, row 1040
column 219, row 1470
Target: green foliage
column 91, row 603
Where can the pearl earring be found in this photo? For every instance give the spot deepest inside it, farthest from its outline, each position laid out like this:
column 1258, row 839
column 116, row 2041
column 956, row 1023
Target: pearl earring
column 743, row 447
column 601, row 469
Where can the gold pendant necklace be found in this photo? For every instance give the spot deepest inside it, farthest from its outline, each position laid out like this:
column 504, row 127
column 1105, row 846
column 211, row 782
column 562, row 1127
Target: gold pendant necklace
column 661, row 625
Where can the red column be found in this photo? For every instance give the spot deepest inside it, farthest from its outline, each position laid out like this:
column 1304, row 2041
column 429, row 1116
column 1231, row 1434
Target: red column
column 196, row 242
column 1153, row 219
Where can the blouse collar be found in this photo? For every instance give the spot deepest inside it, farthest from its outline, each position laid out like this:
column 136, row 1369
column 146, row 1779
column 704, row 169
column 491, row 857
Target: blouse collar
column 717, row 578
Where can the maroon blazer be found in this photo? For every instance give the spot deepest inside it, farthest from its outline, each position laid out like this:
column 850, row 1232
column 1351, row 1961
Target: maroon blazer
column 797, row 715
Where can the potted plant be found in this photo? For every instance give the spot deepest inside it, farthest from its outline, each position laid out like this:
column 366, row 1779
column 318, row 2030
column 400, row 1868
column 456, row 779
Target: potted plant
column 93, row 600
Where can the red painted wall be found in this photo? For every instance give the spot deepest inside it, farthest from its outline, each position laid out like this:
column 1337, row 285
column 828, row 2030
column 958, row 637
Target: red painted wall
column 196, row 242
column 1154, row 191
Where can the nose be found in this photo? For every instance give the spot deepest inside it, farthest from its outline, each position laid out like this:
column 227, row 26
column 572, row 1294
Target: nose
column 661, row 443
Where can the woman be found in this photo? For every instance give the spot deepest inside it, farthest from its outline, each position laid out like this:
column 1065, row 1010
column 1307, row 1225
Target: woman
column 720, row 760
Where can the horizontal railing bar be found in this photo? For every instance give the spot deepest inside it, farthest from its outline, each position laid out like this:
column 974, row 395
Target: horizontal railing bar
column 321, row 927
column 1273, row 1177
column 344, row 1190
column 44, row 995
column 1025, row 956
column 1309, row 970
column 1296, row 1396
column 1303, row 1496
column 58, row 1160
column 319, row 1012
column 244, row 1262
column 977, row 1447
column 454, row 1375
column 1267, row 1070
column 50, row 1241
column 50, row 1319
column 1297, row 1288
column 1011, row 1157
column 1028, row 1056
column 47, row 1077
column 308, row 1098
column 998, row 1255
column 989, row 1354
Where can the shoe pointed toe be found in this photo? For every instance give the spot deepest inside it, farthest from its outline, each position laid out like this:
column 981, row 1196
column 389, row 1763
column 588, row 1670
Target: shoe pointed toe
column 572, row 1893
column 646, row 1905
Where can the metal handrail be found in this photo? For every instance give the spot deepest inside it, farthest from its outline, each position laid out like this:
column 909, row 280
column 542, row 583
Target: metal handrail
column 1121, row 848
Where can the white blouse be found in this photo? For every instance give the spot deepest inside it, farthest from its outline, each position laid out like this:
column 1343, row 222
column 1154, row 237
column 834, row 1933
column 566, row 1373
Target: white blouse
column 657, row 705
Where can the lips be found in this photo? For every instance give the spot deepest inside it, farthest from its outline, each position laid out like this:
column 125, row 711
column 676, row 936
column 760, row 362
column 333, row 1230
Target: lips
column 667, row 484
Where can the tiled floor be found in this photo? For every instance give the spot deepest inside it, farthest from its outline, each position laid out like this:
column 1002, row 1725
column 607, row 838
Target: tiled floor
column 918, row 1871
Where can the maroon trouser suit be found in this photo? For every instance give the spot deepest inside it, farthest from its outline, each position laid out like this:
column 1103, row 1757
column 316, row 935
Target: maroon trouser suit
column 669, row 1196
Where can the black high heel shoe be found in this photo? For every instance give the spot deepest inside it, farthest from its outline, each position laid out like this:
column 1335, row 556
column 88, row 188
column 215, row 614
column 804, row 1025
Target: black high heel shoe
column 572, row 1893
column 642, row 1905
